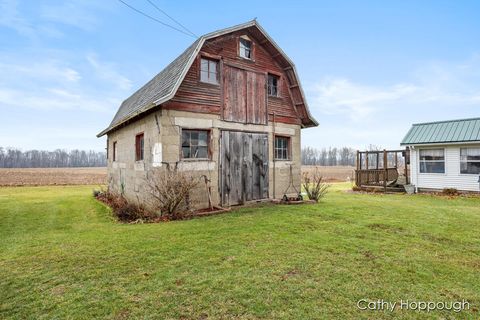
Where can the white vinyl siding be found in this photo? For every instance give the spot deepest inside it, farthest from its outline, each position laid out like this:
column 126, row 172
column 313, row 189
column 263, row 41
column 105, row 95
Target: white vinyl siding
column 452, row 178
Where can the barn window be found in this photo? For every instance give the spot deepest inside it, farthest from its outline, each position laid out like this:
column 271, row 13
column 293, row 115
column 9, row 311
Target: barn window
column 139, row 146
column 114, row 151
column 432, row 161
column 209, row 71
column 272, row 85
column 245, row 48
column 195, row 144
column 282, row 148
column 470, row 160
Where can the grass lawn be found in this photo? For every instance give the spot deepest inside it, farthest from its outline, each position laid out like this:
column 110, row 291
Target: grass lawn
column 62, row 256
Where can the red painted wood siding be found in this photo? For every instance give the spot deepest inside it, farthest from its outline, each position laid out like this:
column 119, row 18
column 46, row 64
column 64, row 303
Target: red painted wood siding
column 193, row 95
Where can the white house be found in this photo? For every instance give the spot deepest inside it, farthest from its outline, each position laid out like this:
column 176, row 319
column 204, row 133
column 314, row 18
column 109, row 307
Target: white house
column 445, row 154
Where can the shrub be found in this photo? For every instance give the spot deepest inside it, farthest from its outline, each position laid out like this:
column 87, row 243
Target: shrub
column 314, row 185
column 450, row 192
column 123, row 210
column 170, row 190
column 356, row 188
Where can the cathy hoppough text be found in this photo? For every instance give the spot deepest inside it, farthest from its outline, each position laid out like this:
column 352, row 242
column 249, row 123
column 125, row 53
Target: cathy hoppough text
column 428, row 306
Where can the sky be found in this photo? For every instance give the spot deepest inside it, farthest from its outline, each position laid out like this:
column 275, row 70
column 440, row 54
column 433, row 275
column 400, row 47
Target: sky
column 369, row 69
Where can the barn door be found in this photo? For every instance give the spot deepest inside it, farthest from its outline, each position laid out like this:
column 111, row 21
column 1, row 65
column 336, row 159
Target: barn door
column 244, row 167
column 245, row 97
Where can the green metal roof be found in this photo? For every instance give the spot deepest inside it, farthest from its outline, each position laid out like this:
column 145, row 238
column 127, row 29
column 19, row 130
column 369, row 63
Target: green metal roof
column 463, row 130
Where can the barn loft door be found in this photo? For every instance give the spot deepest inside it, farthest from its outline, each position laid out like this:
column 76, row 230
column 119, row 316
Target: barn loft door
column 244, row 96
column 244, row 167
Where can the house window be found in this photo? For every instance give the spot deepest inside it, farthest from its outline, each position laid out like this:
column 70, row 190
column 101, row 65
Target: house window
column 139, row 145
column 470, row 160
column 245, row 48
column 209, row 71
column 432, row 161
column 114, row 155
column 195, row 144
column 282, row 148
column 272, row 85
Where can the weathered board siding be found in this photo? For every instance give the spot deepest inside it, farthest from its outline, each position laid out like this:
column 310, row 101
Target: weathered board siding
column 192, row 93
column 452, row 178
column 244, row 167
column 245, row 96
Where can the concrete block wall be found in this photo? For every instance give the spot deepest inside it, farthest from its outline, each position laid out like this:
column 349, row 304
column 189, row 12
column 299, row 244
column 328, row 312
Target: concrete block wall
column 162, row 147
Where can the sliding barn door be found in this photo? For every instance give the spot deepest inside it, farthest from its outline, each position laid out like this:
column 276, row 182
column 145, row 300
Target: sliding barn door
column 244, row 167
column 245, row 98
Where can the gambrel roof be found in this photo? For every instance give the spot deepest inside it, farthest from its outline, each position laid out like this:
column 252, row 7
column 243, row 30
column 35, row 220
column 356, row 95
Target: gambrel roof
column 452, row 131
column 165, row 84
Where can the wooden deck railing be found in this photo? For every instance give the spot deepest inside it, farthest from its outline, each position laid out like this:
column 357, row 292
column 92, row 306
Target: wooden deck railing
column 375, row 177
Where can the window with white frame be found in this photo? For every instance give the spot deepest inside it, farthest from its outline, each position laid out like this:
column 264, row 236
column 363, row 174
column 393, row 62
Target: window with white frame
column 432, row 160
column 282, row 148
column 470, row 160
column 209, row 71
column 245, row 48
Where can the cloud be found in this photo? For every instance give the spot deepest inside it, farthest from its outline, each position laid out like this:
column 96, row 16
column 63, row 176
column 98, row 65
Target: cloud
column 106, row 71
column 49, row 69
column 76, row 13
column 434, row 85
column 10, row 17
column 48, row 20
column 52, row 84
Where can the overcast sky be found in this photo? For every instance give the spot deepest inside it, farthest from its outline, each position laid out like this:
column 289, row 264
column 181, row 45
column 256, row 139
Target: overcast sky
column 369, row 68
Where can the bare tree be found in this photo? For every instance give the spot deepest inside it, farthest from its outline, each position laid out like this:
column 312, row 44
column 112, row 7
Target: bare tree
column 15, row 158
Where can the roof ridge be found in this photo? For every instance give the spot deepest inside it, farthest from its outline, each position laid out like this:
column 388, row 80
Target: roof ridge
column 445, row 121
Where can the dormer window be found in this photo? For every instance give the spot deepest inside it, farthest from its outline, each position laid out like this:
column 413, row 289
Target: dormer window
column 245, row 48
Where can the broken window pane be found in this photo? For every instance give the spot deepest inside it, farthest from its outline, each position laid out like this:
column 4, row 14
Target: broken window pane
column 195, row 144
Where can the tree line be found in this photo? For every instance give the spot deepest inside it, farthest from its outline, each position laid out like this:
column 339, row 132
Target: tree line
column 16, row 158
column 344, row 156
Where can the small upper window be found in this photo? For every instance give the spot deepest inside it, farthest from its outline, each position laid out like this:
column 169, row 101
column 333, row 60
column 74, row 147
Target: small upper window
column 432, row 161
column 282, row 148
column 139, row 145
column 114, row 156
column 195, row 144
column 245, row 48
column 209, row 71
column 272, row 85
column 470, row 160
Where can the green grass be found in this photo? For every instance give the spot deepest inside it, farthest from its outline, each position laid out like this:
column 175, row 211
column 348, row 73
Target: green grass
column 62, row 256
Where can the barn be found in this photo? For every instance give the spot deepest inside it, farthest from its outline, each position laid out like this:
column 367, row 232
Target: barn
column 230, row 108
column 445, row 154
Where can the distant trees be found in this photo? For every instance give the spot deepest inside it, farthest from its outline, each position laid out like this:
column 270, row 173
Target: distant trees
column 16, row 158
column 328, row 157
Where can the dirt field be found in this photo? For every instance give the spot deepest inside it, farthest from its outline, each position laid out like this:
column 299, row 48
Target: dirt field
column 97, row 176
column 337, row 173
column 52, row 176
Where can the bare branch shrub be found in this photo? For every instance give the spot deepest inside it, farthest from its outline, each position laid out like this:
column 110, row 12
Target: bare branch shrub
column 170, row 190
column 123, row 210
column 314, row 185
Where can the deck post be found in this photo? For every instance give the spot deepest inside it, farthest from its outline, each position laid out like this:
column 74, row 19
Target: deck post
column 367, row 167
column 358, row 160
column 385, row 172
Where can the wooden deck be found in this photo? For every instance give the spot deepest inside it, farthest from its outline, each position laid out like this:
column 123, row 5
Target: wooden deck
column 380, row 169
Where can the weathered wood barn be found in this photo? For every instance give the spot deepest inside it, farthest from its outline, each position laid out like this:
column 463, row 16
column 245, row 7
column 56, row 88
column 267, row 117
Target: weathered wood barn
column 230, row 107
